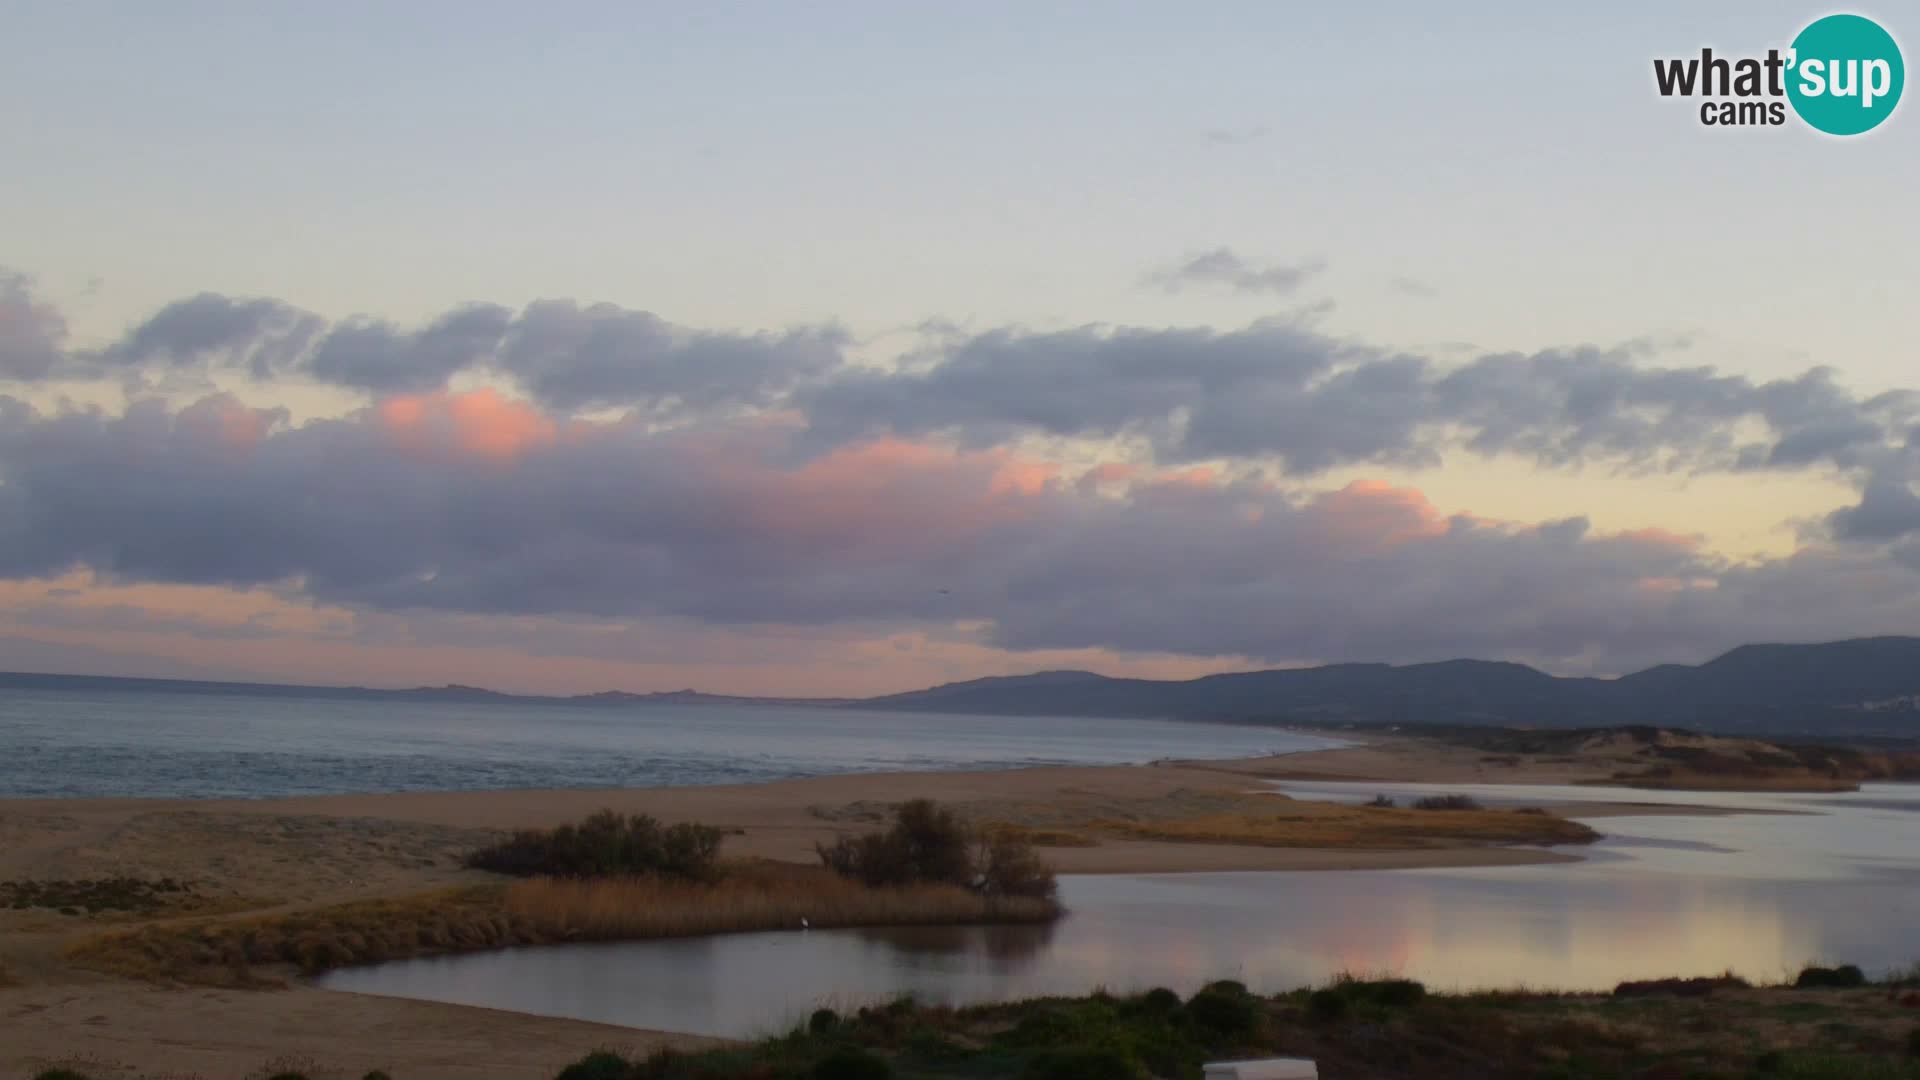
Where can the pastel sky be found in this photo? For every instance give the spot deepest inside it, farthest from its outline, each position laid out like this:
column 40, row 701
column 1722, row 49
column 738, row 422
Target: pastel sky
column 842, row 348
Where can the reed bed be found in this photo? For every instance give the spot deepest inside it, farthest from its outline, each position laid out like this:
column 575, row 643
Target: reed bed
column 635, row 908
column 1378, row 828
column 536, row 911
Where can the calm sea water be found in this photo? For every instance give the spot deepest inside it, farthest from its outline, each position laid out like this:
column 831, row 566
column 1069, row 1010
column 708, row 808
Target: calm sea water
column 110, row 742
column 1836, row 879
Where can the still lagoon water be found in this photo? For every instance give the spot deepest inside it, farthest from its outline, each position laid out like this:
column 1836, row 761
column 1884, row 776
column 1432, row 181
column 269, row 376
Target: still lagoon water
column 1805, row 878
column 115, row 742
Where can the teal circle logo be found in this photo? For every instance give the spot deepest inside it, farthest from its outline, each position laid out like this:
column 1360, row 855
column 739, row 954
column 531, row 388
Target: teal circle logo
column 1845, row 74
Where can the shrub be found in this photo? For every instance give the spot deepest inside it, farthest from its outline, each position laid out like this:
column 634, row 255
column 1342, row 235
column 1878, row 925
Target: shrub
column 849, row 1063
column 1843, row 977
column 599, row 1065
column 607, row 844
column 1010, row 867
column 59, row 1074
column 1160, row 1001
column 822, row 1021
column 376, row 1074
column 928, row 844
column 1446, row 802
column 1327, row 1005
column 1083, row 1063
column 1913, row 1043
column 1224, row 1014
column 1389, row 993
column 1382, row 802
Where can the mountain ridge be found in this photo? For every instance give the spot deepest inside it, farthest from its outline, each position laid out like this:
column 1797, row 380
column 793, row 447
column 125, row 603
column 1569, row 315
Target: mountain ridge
column 1861, row 686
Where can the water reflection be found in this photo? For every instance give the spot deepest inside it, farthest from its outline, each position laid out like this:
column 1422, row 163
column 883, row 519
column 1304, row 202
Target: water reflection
column 1757, row 894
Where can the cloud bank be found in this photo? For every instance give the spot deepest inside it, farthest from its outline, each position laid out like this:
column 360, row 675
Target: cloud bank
column 600, row 462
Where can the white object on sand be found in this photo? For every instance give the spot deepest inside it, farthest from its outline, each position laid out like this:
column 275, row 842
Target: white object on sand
column 1265, row 1069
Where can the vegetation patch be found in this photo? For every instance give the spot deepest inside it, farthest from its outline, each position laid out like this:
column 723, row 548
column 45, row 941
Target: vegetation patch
column 1024, row 834
column 92, row 895
column 1447, row 802
column 1352, row 1028
column 1329, row 825
column 653, row 886
column 928, row 844
column 607, row 844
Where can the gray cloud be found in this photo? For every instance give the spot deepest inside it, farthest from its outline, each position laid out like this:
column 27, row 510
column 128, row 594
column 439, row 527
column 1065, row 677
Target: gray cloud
column 32, row 334
column 1221, row 267
column 372, row 355
column 1888, row 509
column 258, row 335
column 724, row 525
column 604, row 355
column 1278, row 393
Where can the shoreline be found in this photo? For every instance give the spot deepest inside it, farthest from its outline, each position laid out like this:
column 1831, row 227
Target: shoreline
column 268, row 855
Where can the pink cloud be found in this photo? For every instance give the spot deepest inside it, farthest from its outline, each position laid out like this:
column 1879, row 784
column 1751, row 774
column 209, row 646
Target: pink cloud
column 480, row 423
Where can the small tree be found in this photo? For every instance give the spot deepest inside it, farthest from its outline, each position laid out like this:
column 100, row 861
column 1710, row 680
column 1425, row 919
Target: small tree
column 928, row 844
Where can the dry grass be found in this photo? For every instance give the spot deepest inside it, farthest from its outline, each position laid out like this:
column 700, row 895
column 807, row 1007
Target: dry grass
column 1690, row 780
column 1026, row 834
column 1328, row 826
column 765, row 897
column 753, row 896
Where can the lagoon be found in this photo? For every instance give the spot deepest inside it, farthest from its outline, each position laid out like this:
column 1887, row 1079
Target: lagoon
column 1796, row 879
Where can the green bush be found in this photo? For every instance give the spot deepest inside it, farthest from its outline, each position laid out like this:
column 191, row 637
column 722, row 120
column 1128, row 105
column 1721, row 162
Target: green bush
column 60, row 1074
column 599, row 1065
column 607, row 844
column 1846, row 976
column 1010, row 867
column 1224, row 1014
column 376, row 1074
column 1381, row 802
column 1446, row 802
column 1390, row 993
column 928, row 844
column 822, row 1021
column 1913, row 1043
column 1083, row 1063
column 1160, row 1001
column 849, row 1063
column 1327, row 1005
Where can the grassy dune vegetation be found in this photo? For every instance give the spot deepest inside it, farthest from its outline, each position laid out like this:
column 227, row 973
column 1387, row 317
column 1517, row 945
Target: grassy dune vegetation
column 1354, row 1029
column 1326, row 825
column 609, row 878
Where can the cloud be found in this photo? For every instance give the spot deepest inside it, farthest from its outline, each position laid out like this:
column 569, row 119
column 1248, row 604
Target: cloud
column 602, row 355
column 1221, row 267
column 32, row 333
column 567, row 356
column 591, row 461
column 475, row 504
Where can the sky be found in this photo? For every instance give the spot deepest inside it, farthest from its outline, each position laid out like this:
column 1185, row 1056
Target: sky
column 845, row 348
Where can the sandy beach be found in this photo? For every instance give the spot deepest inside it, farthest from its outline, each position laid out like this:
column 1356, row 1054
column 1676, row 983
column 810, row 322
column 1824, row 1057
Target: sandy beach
column 285, row 854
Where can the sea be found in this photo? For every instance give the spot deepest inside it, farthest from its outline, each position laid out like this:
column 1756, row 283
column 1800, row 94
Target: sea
column 101, row 737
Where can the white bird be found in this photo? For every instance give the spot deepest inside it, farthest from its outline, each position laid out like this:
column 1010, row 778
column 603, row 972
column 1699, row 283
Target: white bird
column 803, row 922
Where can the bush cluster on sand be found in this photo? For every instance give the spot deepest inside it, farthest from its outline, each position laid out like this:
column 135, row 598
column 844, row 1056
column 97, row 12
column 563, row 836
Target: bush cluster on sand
column 1447, row 802
column 1366, row 1029
column 1846, row 976
column 610, row 878
column 929, row 845
column 608, row 844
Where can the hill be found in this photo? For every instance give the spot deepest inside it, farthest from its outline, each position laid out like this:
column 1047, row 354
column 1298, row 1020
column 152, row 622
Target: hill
column 1864, row 686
